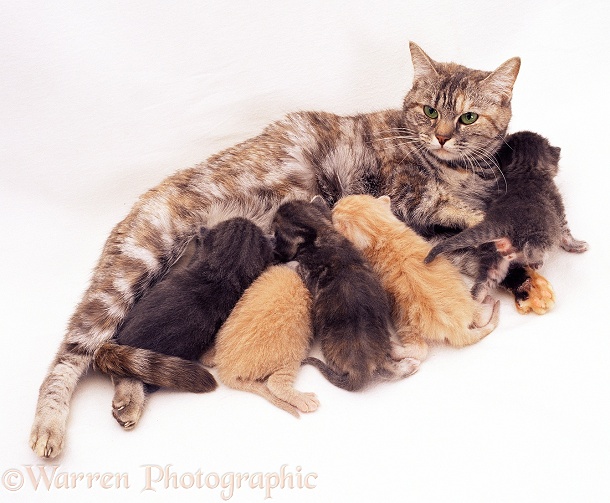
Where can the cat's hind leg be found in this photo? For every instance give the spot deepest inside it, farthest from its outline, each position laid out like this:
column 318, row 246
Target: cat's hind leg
column 48, row 430
column 280, row 383
column 128, row 402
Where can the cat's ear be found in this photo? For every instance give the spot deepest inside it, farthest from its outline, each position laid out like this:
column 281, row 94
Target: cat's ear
column 423, row 66
column 385, row 200
column 502, row 79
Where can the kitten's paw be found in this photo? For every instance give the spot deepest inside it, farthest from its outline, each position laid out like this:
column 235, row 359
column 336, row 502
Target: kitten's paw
column 407, row 367
column 306, row 402
column 536, row 295
column 574, row 245
column 47, row 440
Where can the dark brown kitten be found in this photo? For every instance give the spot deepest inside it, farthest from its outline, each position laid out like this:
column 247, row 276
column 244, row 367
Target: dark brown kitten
column 176, row 321
column 351, row 313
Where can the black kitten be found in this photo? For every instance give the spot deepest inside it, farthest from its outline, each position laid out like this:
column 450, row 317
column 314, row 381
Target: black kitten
column 350, row 310
column 525, row 222
column 175, row 322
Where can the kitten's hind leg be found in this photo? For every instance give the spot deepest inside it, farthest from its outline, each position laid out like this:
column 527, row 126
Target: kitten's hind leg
column 280, row 383
column 128, row 402
column 571, row 244
column 261, row 389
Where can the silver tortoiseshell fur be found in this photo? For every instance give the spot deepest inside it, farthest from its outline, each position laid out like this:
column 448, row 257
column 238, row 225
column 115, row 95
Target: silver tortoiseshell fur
column 438, row 172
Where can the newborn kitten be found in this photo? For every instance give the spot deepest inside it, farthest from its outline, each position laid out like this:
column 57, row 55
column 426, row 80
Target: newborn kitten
column 261, row 345
column 525, row 222
column 174, row 323
column 429, row 302
column 350, row 309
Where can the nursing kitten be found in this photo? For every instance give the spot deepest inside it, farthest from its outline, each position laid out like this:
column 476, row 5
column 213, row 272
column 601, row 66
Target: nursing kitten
column 177, row 319
column 526, row 221
column 261, row 345
column 434, row 157
column 350, row 309
column 430, row 303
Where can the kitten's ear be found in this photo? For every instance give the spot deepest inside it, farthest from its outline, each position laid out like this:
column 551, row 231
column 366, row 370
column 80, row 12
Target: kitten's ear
column 319, row 202
column 385, row 200
column 423, row 66
column 502, row 79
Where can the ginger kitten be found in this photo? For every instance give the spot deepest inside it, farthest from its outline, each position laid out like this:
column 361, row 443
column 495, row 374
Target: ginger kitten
column 261, row 345
column 430, row 303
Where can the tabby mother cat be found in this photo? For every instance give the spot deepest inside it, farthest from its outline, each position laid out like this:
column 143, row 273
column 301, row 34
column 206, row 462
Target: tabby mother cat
column 434, row 158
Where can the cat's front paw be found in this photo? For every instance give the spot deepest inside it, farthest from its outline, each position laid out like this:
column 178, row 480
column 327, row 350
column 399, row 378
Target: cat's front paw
column 47, row 439
column 535, row 294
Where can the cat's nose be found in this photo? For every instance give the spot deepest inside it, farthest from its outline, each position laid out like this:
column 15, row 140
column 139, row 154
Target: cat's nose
column 442, row 139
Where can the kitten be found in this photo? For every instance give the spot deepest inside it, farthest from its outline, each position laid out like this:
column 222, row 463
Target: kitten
column 434, row 157
column 526, row 221
column 350, row 309
column 260, row 346
column 429, row 303
column 180, row 315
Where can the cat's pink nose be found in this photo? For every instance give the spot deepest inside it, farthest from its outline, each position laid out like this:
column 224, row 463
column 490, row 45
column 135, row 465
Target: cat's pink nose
column 442, row 139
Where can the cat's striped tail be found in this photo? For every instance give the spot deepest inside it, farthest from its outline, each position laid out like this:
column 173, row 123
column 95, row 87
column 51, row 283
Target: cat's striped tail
column 154, row 368
column 348, row 381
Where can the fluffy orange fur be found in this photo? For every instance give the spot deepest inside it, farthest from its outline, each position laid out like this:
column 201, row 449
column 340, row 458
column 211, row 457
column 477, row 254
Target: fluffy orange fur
column 430, row 302
column 261, row 345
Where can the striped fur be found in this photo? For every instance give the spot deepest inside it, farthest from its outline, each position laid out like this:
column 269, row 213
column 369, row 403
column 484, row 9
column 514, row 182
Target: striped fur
column 391, row 152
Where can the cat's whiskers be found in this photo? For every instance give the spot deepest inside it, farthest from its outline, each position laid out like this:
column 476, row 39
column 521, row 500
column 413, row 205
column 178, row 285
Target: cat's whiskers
column 492, row 164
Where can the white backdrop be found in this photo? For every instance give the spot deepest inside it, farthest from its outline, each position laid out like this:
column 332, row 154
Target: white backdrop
column 99, row 101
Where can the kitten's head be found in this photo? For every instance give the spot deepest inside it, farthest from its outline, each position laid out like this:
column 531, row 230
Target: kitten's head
column 235, row 246
column 525, row 151
column 457, row 114
column 363, row 218
column 297, row 223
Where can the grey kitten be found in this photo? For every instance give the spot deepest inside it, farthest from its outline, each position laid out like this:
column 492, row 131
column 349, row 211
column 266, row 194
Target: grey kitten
column 525, row 222
column 351, row 312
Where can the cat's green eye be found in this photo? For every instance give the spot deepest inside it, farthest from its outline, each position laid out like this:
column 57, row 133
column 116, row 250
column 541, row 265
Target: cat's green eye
column 469, row 118
column 431, row 112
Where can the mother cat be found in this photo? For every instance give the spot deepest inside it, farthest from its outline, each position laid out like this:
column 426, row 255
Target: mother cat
column 434, row 158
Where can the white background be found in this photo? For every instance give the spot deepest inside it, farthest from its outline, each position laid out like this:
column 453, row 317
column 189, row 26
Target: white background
column 99, row 101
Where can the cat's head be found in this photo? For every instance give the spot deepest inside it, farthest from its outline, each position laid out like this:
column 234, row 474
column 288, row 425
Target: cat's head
column 363, row 218
column 297, row 223
column 457, row 114
column 236, row 246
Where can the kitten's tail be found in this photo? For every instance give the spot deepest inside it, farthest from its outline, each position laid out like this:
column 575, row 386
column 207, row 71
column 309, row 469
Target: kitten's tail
column 349, row 381
column 154, row 368
column 261, row 389
column 470, row 237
